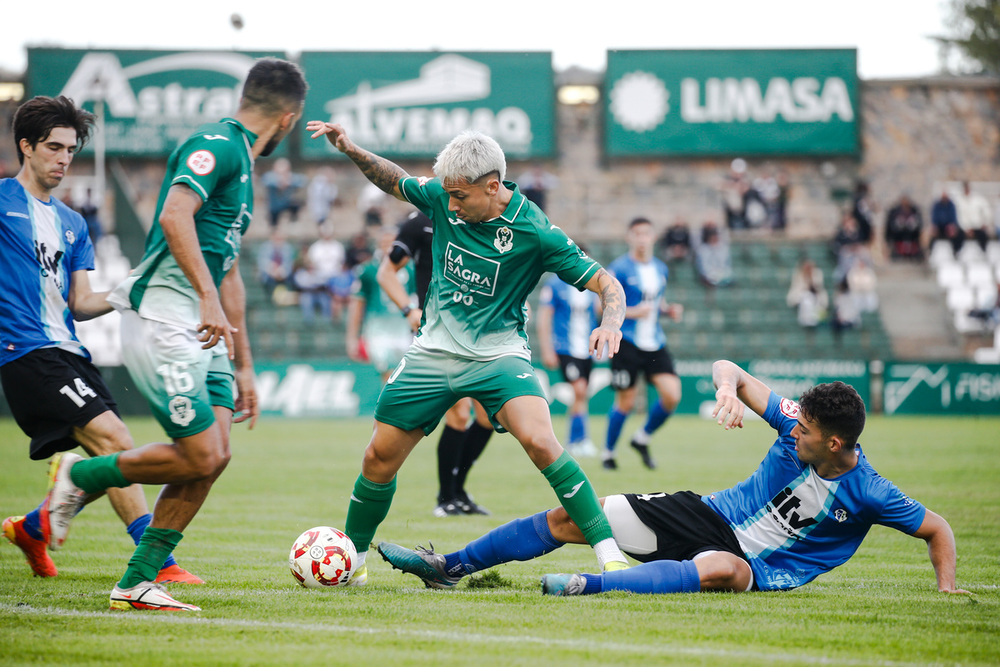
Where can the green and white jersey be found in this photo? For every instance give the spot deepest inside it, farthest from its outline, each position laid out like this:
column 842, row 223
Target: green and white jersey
column 216, row 162
column 483, row 273
column 382, row 316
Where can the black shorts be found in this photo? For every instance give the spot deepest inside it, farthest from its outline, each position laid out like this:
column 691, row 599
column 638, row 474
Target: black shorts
column 573, row 369
column 49, row 392
column 630, row 362
column 684, row 526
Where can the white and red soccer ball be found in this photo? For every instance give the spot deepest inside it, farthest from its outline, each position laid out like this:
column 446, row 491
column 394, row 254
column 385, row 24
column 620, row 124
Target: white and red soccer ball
column 322, row 557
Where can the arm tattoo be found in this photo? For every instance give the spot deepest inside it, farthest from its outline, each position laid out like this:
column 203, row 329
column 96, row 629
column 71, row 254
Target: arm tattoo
column 383, row 173
column 612, row 300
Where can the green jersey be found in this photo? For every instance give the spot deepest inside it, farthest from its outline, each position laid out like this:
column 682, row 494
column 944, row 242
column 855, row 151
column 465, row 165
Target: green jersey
column 381, row 314
column 216, row 162
column 483, row 273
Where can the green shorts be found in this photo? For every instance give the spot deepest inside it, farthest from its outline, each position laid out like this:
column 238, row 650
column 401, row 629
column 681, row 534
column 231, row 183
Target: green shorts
column 425, row 384
column 181, row 381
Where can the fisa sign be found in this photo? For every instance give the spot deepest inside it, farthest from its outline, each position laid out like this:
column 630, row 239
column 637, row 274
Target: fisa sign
column 732, row 102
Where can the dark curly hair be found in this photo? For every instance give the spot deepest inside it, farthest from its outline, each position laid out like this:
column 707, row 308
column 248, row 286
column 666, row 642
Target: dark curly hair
column 35, row 119
column 837, row 409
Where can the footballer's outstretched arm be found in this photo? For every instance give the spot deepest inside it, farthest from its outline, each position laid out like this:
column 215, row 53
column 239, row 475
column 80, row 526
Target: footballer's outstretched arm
column 612, row 296
column 941, row 548
column 383, row 173
column 735, row 388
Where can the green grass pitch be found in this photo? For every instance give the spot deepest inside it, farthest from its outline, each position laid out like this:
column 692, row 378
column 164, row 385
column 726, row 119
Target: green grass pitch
column 882, row 607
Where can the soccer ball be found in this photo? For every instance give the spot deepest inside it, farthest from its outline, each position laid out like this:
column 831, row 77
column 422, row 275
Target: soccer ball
column 322, row 557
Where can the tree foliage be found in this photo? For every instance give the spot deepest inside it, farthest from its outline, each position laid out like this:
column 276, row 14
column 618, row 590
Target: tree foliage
column 975, row 31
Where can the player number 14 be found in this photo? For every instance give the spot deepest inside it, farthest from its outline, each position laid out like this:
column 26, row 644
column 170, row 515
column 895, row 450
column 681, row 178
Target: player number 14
column 77, row 396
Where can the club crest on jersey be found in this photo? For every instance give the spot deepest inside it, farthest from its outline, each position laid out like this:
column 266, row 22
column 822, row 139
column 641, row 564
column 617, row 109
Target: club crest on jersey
column 504, row 240
column 70, row 236
column 840, row 514
column 789, row 408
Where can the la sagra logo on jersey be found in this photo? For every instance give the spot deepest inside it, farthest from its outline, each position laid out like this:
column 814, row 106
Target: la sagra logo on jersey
column 471, row 272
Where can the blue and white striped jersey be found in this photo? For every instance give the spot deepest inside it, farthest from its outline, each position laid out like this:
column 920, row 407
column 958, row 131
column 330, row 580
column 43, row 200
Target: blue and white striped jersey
column 42, row 244
column 642, row 281
column 574, row 316
column 794, row 525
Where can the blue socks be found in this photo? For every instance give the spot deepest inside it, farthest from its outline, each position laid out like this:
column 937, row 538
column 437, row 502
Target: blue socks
column 520, row 539
column 33, row 523
column 577, row 428
column 659, row 576
column 616, row 420
column 657, row 415
column 138, row 527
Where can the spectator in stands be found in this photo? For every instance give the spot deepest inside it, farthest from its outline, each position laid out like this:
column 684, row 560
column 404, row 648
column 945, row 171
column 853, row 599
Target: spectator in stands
column 326, row 255
column 773, row 193
column 848, row 234
column 314, row 292
column 863, row 210
column 846, row 313
column 974, row 215
column 735, row 189
column 322, row 194
column 944, row 222
column 285, row 191
column 807, row 294
column 862, row 280
column 371, row 205
column 903, row 227
column 675, row 244
column 358, row 252
column 712, row 257
column 275, row 262
column 536, row 183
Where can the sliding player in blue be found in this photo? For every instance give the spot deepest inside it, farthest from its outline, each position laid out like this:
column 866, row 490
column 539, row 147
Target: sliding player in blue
column 803, row 512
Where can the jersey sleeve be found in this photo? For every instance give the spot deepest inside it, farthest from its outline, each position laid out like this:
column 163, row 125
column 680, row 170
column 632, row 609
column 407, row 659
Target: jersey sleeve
column 900, row 511
column 82, row 257
column 204, row 162
column 422, row 193
column 781, row 413
column 563, row 257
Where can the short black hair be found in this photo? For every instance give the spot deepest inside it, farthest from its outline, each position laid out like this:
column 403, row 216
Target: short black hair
column 35, row 119
column 838, row 410
column 639, row 221
column 274, row 86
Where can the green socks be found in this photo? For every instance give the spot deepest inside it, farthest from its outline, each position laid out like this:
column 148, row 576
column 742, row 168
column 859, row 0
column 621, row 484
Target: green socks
column 577, row 495
column 98, row 473
column 155, row 545
column 369, row 505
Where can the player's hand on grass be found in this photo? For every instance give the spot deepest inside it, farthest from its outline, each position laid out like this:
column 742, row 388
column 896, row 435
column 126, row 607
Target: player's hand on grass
column 334, row 132
column 604, row 337
column 247, row 407
column 728, row 408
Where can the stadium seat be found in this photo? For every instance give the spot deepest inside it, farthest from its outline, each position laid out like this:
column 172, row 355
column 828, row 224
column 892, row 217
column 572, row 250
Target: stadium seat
column 950, row 275
column 970, row 254
column 960, row 298
column 941, row 253
column 979, row 274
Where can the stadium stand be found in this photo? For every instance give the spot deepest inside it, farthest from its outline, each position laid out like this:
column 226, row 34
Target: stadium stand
column 748, row 320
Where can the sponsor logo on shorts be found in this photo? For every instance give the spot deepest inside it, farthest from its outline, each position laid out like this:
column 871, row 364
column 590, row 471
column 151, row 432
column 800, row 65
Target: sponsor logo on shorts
column 180, row 410
column 201, row 162
column 522, row 376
